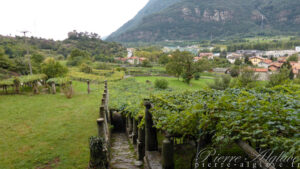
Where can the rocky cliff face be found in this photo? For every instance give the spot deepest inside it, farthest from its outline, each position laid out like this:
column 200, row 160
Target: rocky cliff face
column 201, row 19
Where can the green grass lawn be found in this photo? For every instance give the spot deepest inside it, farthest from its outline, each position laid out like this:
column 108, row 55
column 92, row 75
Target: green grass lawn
column 177, row 84
column 38, row 131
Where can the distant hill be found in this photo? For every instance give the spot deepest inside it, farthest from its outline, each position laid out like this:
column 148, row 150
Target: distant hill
column 205, row 19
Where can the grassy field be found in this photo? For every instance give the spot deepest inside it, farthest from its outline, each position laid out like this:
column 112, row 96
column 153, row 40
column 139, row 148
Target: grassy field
column 40, row 131
column 177, row 84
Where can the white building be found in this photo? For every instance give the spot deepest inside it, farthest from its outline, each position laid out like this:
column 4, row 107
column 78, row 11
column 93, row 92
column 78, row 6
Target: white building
column 280, row 53
column 297, row 48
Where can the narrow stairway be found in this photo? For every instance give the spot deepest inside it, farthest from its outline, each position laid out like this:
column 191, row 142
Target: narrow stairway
column 122, row 156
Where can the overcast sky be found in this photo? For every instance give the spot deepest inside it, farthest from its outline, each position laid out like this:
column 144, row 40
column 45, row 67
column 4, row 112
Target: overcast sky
column 55, row 18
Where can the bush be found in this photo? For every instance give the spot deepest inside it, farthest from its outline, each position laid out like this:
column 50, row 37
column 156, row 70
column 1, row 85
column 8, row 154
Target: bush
column 146, row 63
column 161, row 84
column 221, row 83
column 247, row 78
column 52, row 68
column 279, row 78
column 197, row 76
column 235, row 71
column 86, row 68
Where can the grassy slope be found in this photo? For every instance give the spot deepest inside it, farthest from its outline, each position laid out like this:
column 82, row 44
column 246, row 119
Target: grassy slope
column 58, row 128
column 177, row 84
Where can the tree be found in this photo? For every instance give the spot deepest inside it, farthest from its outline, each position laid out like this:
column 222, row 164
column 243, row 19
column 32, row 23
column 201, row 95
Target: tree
column 77, row 57
column 221, row 83
column 293, row 58
column 235, row 71
column 289, row 67
column 280, row 77
column 146, row 63
column 247, row 61
column 86, row 68
column 223, row 54
column 52, row 68
column 5, row 62
column 163, row 59
column 182, row 64
column 238, row 62
column 247, row 78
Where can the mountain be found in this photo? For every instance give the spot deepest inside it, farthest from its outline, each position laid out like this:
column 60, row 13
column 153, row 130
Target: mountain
column 205, row 19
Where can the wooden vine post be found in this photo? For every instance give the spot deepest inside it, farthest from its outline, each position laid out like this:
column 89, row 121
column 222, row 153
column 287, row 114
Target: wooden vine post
column 53, row 88
column 101, row 129
column 150, row 131
column 35, row 87
column 134, row 131
column 88, row 87
column 141, row 141
column 167, row 153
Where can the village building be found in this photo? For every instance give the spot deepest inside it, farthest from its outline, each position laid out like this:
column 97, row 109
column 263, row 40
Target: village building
column 250, row 52
column 130, row 52
column 264, row 63
column 196, row 59
column 279, row 53
column 275, row 66
column 207, row 55
column 231, row 57
column 295, row 67
column 255, row 60
column 297, row 48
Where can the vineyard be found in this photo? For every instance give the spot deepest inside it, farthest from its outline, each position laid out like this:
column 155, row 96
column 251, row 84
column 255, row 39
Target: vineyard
column 261, row 118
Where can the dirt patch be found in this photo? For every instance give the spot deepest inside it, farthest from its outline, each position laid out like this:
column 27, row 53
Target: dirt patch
column 51, row 164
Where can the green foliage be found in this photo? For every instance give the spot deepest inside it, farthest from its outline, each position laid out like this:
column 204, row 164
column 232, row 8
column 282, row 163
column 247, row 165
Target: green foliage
column 164, row 59
column 53, row 68
column 197, row 76
column 77, row 57
column 293, row 58
column 256, row 116
column 102, row 66
column 23, row 79
column 221, row 83
column 59, row 80
column 182, row 64
column 235, row 71
column 247, row 78
column 5, row 62
column 161, row 84
column 86, row 68
column 146, row 63
column 238, row 62
column 280, row 77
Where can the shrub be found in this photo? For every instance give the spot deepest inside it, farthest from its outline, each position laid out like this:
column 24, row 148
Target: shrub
column 146, row 63
column 161, row 84
column 235, row 71
column 197, row 76
column 52, row 68
column 279, row 78
column 247, row 78
column 86, row 68
column 221, row 83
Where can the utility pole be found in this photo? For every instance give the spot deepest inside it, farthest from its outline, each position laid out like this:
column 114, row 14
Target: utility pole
column 27, row 51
